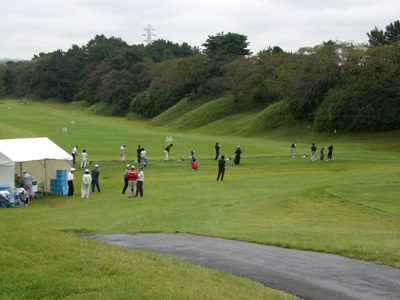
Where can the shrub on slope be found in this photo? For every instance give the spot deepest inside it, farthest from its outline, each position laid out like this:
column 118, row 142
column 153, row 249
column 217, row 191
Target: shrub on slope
column 209, row 113
column 275, row 115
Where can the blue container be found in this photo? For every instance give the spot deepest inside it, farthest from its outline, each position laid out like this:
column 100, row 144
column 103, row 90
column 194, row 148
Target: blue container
column 5, row 188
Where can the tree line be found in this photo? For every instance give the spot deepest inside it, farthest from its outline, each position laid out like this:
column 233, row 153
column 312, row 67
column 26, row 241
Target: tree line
column 335, row 85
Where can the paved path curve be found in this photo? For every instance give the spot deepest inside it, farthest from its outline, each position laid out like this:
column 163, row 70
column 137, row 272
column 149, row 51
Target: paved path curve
column 308, row 275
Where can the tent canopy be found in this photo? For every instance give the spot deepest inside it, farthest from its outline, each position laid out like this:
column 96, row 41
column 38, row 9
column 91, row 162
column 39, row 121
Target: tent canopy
column 39, row 156
column 22, row 150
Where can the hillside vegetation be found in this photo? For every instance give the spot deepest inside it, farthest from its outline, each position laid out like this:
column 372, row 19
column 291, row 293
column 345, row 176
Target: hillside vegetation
column 332, row 86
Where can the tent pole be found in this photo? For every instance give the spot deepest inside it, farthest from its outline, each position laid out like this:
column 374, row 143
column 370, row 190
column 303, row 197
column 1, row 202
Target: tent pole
column 45, row 178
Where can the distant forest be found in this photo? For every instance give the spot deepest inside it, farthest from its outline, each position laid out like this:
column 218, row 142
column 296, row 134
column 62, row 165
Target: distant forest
column 335, row 85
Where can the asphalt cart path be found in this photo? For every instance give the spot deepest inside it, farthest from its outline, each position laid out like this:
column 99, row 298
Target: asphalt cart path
column 308, row 275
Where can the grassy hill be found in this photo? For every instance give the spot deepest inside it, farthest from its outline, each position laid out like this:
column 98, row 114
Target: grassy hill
column 347, row 206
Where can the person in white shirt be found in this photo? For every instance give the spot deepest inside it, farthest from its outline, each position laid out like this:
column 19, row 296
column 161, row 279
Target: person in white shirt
column 83, row 159
column 23, row 196
column 70, row 181
column 139, row 182
column 74, row 153
column 143, row 158
column 122, row 153
column 85, row 188
column 5, row 197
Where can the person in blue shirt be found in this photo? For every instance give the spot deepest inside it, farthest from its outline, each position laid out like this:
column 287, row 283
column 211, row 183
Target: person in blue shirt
column 95, row 178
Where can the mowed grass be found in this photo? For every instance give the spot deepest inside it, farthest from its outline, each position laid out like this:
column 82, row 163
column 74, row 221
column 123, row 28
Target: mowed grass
column 348, row 206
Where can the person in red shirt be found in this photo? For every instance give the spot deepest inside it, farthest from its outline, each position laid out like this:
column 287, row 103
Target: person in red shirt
column 132, row 176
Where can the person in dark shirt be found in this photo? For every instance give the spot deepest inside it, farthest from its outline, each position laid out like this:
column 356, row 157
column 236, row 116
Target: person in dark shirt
column 330, row 149
column 238, row 152
column 95, row 178
column 217, row 150
column 313, row 150
column 167, row 151
column 139, row 150
column 221, row 168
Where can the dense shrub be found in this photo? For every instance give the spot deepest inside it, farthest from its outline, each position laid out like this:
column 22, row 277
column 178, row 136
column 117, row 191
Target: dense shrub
column 151, row 103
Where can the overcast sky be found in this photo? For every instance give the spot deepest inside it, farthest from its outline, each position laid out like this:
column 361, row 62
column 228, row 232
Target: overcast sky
column 28, row 27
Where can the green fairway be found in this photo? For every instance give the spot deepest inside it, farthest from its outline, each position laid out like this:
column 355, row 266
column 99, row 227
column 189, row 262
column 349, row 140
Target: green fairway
column 348, row 206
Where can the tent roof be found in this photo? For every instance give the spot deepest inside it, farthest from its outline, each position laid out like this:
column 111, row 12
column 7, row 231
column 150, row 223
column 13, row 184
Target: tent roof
column 22, row 150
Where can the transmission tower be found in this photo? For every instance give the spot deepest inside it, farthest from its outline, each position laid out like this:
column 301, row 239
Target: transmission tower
column 148, row 34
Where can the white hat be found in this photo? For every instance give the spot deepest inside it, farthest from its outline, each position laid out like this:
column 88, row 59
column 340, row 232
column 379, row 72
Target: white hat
column 128, row 165
column 86, row 170
column 132, row 167
column 72, row 169
column 96, row 165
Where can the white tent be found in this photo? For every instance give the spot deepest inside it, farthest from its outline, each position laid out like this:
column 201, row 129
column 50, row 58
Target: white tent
column 39, row 156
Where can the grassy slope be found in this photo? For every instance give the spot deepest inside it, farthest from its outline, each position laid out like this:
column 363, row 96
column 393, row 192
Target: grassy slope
column 346, row 206
column 50, row 264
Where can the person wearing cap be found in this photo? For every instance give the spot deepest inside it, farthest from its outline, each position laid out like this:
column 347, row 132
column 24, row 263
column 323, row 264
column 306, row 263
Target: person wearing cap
column 238, row 151
column 27, row 184
column 132, row 177
column 85, row 188
column 70, row 182
column 95, row 178
column 128, row 167
column 23, row 196
column 140, row 179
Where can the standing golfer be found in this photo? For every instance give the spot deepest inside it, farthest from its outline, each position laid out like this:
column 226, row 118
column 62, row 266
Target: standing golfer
column 132, row 178
column 74, row 153
column 126, row 178
column 139, row 184
column 217, row 150
column 167, row 151
column 330, row 149
column 83, row 159
column 238, row 152
column 122, row 153
column 70, row 181
column 221, row 168
column 293, row 148
column 85, row 188
column 95, row 178
column 139, row 151
column 313, row 150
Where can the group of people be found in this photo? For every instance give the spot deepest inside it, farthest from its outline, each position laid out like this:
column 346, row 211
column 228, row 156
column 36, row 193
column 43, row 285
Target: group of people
column 24, row 195
column 313, row 151
column 133, row 181
column 87, row 180
column 83, row 157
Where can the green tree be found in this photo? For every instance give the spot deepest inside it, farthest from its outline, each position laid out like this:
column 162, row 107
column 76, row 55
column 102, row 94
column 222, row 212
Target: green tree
column 225, row 45
column 379, row 37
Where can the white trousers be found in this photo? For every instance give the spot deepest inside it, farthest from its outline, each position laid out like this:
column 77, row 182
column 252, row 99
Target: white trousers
column 166, row 155
column 85, row 190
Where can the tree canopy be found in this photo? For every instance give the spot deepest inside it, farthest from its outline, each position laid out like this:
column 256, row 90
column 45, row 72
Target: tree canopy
column 334, row 85
column 226, row 45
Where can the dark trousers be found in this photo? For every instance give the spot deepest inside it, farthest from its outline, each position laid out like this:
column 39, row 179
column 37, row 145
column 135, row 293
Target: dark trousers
column 73, row 156
column 139, row 188
column 95, row 183
column 216, row 155
column 70, row 188
column 221, row 172
column 125, row 186
column 138, row 158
